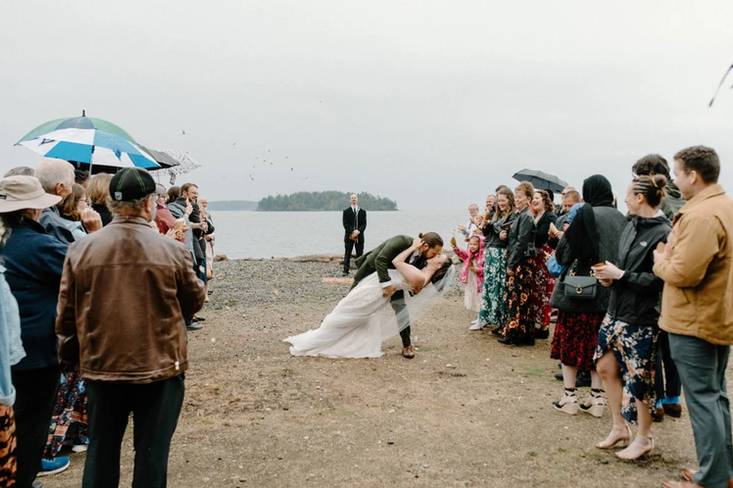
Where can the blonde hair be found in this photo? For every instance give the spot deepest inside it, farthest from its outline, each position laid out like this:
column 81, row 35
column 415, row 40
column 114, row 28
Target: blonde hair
column 525, row 187
column 98, row 188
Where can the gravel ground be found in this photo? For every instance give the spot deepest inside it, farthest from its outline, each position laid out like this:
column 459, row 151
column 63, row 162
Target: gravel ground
column 465, row 412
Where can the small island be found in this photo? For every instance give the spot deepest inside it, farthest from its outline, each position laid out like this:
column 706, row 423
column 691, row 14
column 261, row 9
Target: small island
column 322, row 201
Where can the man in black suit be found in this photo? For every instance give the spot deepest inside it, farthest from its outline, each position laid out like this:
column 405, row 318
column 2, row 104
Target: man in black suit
column 355, row 221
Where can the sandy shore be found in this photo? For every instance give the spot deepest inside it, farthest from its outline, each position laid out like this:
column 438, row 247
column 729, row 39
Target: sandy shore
column 465, row 412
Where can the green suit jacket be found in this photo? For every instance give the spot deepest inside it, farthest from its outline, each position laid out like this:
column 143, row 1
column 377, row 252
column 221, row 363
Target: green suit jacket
column 380, row 258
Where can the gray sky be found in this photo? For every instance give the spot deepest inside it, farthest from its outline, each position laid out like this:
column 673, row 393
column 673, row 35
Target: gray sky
column 431, row 103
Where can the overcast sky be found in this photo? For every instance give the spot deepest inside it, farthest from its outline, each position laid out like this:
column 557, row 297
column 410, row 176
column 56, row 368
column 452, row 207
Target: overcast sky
column 432, row 103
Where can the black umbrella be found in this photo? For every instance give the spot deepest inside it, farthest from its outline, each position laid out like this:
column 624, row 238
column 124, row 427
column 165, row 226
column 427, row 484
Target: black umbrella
column 540, row 180
column 164, row 159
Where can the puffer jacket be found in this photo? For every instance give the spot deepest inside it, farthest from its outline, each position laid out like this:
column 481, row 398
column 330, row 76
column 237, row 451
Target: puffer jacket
column 636, row 296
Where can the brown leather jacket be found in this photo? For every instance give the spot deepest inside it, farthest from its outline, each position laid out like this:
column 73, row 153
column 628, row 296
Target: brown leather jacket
column 124, row 292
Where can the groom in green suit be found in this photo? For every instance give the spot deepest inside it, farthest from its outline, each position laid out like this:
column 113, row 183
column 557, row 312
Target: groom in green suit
column 379, row 260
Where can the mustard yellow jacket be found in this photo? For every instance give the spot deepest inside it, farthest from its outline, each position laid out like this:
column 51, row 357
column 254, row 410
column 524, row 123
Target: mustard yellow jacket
column 698, row 272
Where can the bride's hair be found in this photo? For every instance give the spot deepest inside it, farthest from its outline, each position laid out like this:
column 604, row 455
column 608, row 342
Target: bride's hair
column 432, row 239
column 441, row 272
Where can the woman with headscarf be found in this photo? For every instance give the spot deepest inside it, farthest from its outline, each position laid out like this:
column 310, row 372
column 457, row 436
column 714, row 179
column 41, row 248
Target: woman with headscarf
column 592, row 238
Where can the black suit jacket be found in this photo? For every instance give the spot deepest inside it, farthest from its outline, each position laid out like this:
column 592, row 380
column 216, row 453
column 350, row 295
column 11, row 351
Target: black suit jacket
column 351, row 224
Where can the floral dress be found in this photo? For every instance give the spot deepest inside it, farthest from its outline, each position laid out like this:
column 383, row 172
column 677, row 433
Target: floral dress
column 69, row 423
column 494, row 308
column 493, row 302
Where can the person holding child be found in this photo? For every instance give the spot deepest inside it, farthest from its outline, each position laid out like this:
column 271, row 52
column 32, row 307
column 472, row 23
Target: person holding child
column 472, row 274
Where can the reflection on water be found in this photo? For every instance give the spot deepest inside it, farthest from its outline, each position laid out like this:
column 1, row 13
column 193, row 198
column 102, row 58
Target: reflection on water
column 242, row 234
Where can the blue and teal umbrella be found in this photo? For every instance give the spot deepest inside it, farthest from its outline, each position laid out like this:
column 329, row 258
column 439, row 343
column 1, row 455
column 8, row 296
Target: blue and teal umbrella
column 87, row 140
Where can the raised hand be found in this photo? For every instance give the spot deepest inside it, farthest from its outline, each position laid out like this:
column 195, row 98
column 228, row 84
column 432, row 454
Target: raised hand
column 91, row 220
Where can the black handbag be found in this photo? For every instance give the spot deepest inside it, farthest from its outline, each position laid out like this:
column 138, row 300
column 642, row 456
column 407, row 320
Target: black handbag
column 580, row 287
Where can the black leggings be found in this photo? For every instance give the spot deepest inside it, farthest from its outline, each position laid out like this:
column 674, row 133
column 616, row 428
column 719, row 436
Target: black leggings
column 35, row 395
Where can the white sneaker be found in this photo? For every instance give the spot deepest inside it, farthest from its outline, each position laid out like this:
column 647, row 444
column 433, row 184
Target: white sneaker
column 475, row 325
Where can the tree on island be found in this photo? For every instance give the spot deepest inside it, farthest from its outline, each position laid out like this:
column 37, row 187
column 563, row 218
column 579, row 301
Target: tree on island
column 322, row 201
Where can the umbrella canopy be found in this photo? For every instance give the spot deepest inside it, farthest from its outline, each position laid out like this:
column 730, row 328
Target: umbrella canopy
column 164, row 159
column 541, row 180
column 86, row 140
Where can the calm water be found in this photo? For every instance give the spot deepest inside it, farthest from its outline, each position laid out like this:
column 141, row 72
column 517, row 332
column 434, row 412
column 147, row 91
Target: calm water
column 242, row 234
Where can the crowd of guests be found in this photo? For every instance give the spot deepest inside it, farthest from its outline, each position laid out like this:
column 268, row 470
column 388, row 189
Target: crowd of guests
column 640, row 303
column 102, row 276
column 82, row 258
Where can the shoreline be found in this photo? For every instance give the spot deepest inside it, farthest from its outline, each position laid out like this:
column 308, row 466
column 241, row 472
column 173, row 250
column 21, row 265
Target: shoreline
column 307, row 258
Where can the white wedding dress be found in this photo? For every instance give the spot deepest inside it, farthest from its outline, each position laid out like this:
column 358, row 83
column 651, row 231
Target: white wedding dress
column 361, row 321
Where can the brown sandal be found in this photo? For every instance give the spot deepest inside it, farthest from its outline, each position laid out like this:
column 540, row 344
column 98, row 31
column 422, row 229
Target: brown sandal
column 408, row 352
column 687, row 474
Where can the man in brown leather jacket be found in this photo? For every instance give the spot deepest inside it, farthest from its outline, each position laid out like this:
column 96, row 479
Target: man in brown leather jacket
column 124, row 292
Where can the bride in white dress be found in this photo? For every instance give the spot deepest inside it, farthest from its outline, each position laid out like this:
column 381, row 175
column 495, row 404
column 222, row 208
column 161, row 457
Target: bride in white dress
column 364, row 319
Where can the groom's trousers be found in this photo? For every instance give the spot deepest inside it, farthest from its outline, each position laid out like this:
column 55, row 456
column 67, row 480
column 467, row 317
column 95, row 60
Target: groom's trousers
column 399, row 306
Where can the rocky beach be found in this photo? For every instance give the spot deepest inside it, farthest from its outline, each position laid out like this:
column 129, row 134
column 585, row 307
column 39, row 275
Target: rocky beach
column 465, row 412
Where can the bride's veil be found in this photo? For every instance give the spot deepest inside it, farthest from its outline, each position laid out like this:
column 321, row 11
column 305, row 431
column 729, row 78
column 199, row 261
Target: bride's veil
column 418, row 305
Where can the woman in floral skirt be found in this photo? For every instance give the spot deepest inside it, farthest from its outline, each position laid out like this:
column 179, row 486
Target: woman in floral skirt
column 519, row 328
column 542, row 210
column 493, row 305
column 627, row 342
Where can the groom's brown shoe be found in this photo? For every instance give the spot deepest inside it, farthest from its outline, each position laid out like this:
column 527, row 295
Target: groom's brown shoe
column 408, row 352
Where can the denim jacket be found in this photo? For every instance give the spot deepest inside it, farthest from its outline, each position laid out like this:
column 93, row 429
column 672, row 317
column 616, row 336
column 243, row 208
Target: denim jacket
column 11, row 347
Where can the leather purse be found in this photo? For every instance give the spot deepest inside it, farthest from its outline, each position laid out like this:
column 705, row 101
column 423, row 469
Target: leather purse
column 580, row 287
